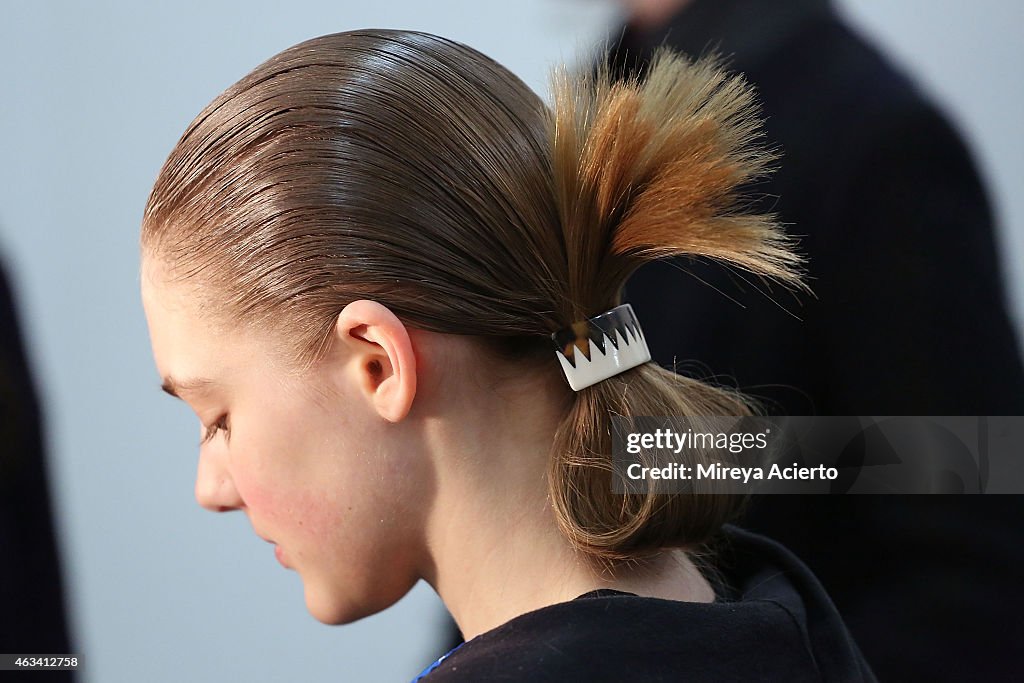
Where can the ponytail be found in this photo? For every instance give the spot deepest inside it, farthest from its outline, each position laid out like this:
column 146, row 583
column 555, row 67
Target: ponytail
column 645, row 170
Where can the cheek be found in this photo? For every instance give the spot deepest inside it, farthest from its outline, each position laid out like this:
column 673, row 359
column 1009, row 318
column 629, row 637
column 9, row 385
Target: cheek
column 284, row 506
column 317, row 483
column 278, row 465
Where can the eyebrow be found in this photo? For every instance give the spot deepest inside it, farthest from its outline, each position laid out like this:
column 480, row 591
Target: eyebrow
column 187, row 386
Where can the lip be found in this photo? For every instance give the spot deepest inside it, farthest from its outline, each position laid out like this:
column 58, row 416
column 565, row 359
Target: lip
column 279, row 554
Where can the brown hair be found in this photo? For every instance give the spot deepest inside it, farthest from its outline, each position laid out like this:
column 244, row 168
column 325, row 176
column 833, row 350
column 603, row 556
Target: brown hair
column 410, row 169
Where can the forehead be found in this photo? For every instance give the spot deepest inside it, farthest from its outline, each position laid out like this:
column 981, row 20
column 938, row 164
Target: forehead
column 185, row 343
column 190, row 342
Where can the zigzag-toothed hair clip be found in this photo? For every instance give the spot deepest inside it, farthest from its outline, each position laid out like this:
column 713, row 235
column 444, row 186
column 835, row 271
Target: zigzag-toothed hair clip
column 597, row 348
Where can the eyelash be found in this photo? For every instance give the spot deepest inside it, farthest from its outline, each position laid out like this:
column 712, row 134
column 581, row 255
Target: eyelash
column 211, row 431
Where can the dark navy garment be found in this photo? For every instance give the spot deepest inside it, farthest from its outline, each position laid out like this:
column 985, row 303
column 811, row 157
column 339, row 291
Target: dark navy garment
column 908, row 317
column 32, row 619
column 771, row 621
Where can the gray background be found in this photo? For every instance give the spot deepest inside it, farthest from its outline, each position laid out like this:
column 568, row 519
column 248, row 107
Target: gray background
column 94, row 97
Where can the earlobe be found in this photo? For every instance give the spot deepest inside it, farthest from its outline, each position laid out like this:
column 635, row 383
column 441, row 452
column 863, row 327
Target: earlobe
column 382, row 357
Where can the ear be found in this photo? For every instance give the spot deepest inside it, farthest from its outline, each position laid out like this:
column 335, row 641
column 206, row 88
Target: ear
column 382, row 356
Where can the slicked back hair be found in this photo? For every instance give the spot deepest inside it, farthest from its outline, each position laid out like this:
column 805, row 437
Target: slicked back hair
column 413, row 170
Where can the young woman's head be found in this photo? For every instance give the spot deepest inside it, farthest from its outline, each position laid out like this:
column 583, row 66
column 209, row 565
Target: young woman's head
column 353, row 263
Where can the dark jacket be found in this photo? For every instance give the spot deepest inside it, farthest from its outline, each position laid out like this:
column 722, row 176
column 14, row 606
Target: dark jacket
column 771, row 621
column 908, row 317
column 32, row 615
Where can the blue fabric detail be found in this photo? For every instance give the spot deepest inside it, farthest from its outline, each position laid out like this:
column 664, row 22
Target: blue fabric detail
column 436, row 663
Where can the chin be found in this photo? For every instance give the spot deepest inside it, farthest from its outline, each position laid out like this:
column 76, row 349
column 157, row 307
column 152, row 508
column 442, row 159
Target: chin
column 332, row 611
column 328, row 607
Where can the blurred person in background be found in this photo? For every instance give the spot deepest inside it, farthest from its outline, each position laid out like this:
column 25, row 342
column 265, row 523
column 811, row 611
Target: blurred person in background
column 32, row 620
column 908, row 317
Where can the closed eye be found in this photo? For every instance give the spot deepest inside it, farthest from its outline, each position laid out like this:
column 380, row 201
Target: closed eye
column 220, row 425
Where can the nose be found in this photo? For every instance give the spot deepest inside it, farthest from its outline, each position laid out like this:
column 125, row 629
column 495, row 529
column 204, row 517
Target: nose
column 215, row 490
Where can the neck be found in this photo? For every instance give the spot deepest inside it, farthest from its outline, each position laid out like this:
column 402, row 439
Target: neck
column 495, row 550
column 650, row 15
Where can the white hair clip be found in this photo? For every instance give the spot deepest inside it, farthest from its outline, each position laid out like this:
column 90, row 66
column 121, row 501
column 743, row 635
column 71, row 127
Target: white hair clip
column 597, row 348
